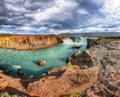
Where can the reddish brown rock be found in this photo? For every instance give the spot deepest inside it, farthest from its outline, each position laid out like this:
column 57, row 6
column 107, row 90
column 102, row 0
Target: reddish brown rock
column 64, row 80
column 1, row 71
column 14, row 85
column 29, row 41
column 3, row 83
column 41, row 62
column 20, row 73
column 81, row 59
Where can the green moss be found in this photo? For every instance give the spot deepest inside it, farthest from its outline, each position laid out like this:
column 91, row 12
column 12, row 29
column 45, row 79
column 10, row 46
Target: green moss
column 6, row 94
column 86, row 59
column 69, row 64
column 110, row 37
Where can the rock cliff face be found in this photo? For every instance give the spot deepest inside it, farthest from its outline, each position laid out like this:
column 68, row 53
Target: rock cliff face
column 29, row 41
column 105, row 42
column 108, row 83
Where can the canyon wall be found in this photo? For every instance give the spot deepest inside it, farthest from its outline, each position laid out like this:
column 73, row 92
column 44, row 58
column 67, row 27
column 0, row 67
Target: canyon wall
column 29, row 41
column 107, row 50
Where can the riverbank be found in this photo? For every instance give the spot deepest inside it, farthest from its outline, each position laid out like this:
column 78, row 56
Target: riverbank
column 29, row 41
column 94, row 72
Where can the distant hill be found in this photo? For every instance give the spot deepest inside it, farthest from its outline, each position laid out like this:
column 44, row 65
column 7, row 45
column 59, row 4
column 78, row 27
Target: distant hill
column 93, row 34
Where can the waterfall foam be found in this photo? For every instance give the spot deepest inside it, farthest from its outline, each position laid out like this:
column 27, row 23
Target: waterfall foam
column 76, row 41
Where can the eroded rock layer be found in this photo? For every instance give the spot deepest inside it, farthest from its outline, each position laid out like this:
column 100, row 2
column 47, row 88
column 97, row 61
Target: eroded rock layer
column 64, row 80
column 29, row 41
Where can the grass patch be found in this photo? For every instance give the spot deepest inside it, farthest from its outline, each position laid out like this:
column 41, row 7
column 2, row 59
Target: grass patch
column 71, row 95
column 69, row 64
column 6, row 94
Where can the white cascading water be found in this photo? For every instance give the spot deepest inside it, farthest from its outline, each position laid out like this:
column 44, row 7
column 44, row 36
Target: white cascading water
column 77, row 41
column 68, row 41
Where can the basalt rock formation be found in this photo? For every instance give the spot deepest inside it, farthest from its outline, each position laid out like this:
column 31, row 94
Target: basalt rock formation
column 108, row 83
column 92, row 42
column 105, row 42
column 81, row 59
column 29, row 41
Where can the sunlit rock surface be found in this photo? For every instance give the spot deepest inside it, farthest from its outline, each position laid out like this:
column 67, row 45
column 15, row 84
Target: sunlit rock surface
column 3, row 82
column 28, row 41
column 64, row 80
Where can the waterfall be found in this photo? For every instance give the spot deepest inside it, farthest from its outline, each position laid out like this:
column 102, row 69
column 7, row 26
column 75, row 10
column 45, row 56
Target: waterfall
column 68, row 41
column 76, row 41
column 82, row 40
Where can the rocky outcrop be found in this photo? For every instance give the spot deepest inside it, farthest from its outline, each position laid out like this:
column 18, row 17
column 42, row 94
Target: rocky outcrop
column 81, row 59
column 111, row 42
column 29, row 41
column 108, row 83
column 92, row 42
column 3, row 82
column 64, row 80
column 12, row 82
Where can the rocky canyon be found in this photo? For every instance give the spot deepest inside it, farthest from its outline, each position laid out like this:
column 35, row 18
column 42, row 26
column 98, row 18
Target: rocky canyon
column 94, row 72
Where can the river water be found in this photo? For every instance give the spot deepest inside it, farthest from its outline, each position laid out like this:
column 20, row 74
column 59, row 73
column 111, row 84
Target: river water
column 27, row 60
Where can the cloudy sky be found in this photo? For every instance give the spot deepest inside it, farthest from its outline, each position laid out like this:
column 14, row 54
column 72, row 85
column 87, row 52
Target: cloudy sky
column 59, row 16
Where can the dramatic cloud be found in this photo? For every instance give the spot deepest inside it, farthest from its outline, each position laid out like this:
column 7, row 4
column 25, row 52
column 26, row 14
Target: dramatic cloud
column 59, row 16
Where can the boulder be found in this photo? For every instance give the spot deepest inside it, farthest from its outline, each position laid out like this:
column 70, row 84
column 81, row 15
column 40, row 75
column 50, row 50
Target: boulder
column 3, row 83
column 80, row 58
column 1, row 71
column 75, row 47
column 92, row 42
column 20, row 73
column 41, row 62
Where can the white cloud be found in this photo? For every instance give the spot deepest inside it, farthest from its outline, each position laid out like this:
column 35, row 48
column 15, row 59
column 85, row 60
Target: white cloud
column 14, row 6
column 60, row 15
column 111, row 9
column 60, row 11
column 83, row 11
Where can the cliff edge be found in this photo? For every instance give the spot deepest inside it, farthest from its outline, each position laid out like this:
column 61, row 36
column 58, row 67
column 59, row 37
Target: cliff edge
column 27, row 41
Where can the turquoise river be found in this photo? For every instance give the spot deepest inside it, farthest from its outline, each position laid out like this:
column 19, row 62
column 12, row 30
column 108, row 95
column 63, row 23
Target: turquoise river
column 27, row 60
